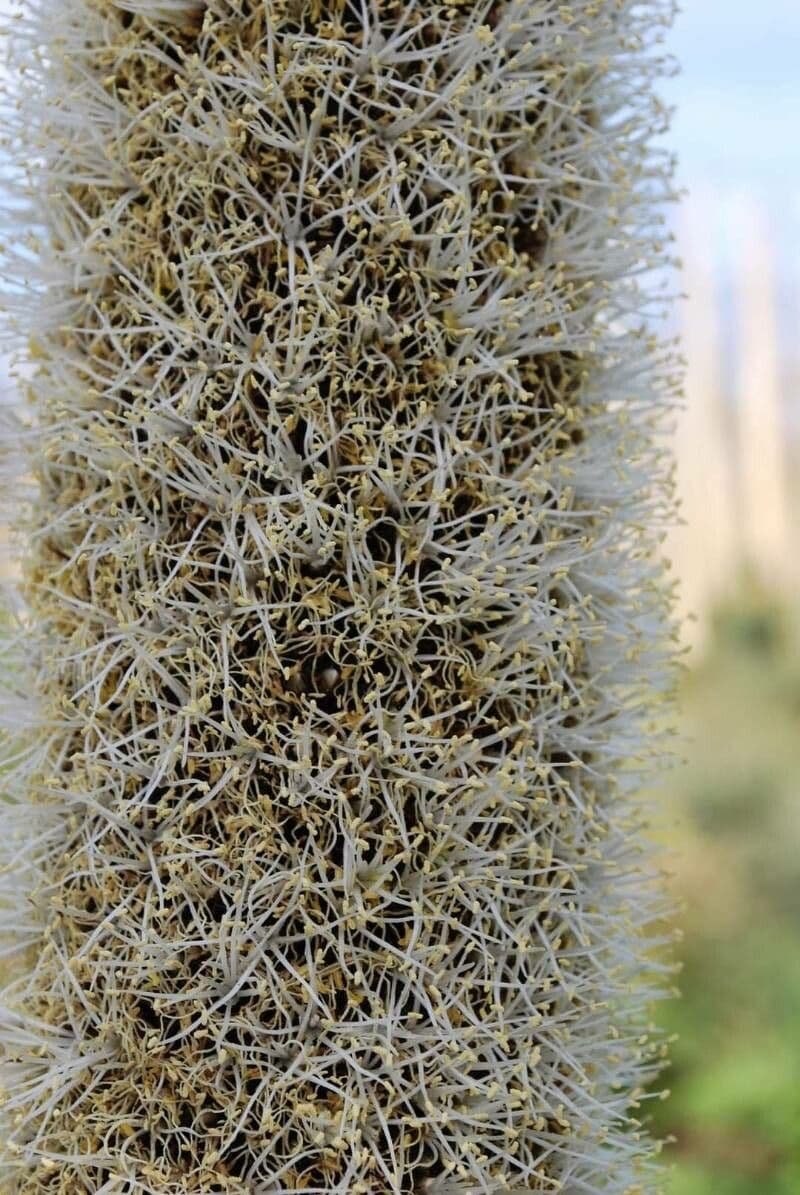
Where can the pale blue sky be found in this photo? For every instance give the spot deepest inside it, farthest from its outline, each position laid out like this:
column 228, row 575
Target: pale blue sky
column 738, row 124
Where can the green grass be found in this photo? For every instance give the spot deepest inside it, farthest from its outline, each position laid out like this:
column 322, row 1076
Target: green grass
column 732, row 817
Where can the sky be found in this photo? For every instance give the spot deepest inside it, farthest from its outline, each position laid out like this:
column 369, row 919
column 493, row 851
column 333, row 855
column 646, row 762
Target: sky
column 736, row 132
column 738, row 120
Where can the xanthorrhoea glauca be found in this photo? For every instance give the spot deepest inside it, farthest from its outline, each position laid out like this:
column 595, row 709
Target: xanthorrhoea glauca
column 342, row 626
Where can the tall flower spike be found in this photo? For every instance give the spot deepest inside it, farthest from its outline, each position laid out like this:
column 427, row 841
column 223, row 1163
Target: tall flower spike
column 342, row 627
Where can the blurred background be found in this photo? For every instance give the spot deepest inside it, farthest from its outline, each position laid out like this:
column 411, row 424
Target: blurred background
column 730, row 814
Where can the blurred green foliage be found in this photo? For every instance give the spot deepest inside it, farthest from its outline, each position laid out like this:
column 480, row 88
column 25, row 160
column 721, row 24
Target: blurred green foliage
column 732, row 822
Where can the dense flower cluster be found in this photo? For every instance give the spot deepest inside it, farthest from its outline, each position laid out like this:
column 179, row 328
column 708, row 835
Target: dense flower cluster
column 341, row 614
